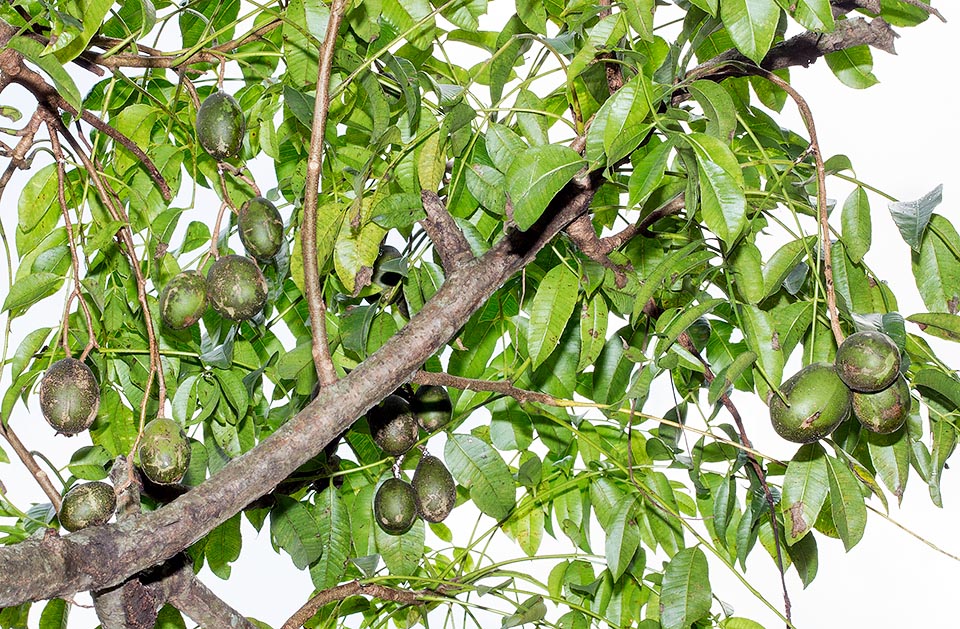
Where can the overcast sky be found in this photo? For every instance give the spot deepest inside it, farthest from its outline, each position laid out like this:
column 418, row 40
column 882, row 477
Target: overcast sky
column 901, row 136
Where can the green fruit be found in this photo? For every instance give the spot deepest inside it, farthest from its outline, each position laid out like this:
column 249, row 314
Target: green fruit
column 183, row 300
column 386, row 278
column 818, row 401
column 699, row 332
column 395, row 506
column 393, row 426
column 69, row 396
column 884, row 411
column 436, row 492
column 236, row 288
column 164, row 451
column 89, row 504
column 432, row 407
column 220, row 125
column 261, row 228
column 868, row 361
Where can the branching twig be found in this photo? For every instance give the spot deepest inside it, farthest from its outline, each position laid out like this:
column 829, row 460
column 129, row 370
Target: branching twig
column 807, row 116
column 323, row 362
column 446, row 235
column 471, row 384
column 355, row 588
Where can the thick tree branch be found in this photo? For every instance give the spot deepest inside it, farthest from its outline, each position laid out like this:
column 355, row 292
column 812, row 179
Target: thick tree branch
column 326, row 373
column 355, row 588
column 205, row 608
column 444, row 232
column 99, row 557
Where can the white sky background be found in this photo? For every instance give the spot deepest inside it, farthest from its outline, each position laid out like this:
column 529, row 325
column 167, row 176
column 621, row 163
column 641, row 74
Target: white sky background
column 901, row 136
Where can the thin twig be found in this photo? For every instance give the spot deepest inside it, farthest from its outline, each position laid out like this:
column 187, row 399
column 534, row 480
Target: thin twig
column 807, row 116
column 488, row 386
column 31, row 464
column 355, row 588
column 926, row 7
column 913, row 534
column 322, row 360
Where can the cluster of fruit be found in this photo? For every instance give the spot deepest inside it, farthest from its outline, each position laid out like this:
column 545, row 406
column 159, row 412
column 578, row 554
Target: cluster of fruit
column 864, row 379
column 395, row 426
column 69, row 401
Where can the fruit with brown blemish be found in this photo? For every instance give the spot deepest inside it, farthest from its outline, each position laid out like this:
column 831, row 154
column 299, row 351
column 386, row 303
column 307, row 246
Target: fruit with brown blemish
column 815, row 401
column 220, row 125
column 868, row 361
column 393, row 425
column 88, row 504
column 884, row 411
column 164, row 451
column 432, row 407
column 183, row 300
column 435, row 489
column 69, row 396
column 236, row 287
column 261, row 228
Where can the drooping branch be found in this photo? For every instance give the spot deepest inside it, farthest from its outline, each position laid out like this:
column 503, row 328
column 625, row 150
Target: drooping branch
column 326, row 373
column 446, row 235
column 355, row 588
column 99, row 557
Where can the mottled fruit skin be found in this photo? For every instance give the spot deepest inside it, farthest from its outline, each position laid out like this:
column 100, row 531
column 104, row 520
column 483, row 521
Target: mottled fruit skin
column 436, row 491
column 220, row 125
column 884, row 411
column 89, row 504
column 868, row 361
column 431, row 404
column 393, row 426
column 164, row 451
column 69, row 396
column 183, row 300
column 395, row 506
column 383, row 278
column 818, row 401
column 236, row 287
column 261, row 228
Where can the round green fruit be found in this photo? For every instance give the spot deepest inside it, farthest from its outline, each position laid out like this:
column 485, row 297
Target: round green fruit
column 884, row 411
column 261, row 228
column 393, row 426
column 817, row 401
column 868, row 361
column 385, row 278
column 220, row 125
column 89, row 504
column 432, row 407
column 436, row 492
column 183, row 300
column 164, row 451
column 236, row 288
column 69, row 396
column 395, row 506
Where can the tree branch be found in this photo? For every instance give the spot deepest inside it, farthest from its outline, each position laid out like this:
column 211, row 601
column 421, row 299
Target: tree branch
column 101, row 556
column 355, row 588
column 471, row 384
column 326, row 373
column 444, row 232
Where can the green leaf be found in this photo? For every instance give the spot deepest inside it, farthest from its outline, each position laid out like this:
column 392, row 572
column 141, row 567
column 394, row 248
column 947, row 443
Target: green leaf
column 30, row 345
column 944, row 437
column 648, row 172
column 722, row 200
column 30, row 289
column 536, row 176
column 856, row 225
column 890, row 455
column 783, row 261
column 618, row 127
column 676, row 326
column 54, row 68
column 853, row 66
column 942, row 325
column 813, row 15
column 90, row 463
column 936, row 267
column 55, row 614
column 333, row 521
column 759, row 333
column 479, row 468
column 329, row 219
column 640, row 15
column 725, row 379
column 912, row 217
column 37, row 198
column 295, row 528
column 594, row 316
column 169, row 617
column 503, row 146
column 735, row 622
column 398, row 210
column 685, row 595
column 687, row 257
column 718, row 107
column 846, row 502
column 401, row 553
column 550, row 309
column 533, row 14
column 532, row 610
column 525, row 527
column 805, row 490
column 751, row 25
column 939, row 383
column 746, row 265
column 355, row 250
column 222, row 546
column 136, row 122
column 623, row 539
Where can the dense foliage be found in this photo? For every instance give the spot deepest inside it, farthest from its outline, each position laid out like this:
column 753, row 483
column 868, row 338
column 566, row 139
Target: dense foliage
column 580, row 197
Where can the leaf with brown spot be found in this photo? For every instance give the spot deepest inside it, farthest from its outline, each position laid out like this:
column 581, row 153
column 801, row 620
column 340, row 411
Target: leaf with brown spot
column 805, row 489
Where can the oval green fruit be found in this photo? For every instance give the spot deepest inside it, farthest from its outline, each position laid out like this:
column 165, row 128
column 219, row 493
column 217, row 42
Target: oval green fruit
column 395, row 506
column 884, row 411
column 868, row 361
column 432, row 407
column 236, row 288
column 220, row 125
column 435, row 489
column 393, row 426
column 69, row 396
column 183, row 300
column 386, row 278
column 89, row 504
column 817, row 401
column 261, row 228
column 164, row 451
